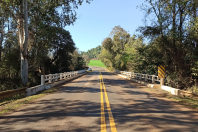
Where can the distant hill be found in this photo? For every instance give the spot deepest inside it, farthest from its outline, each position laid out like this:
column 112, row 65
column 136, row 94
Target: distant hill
column 97, row 63
column 93, row 53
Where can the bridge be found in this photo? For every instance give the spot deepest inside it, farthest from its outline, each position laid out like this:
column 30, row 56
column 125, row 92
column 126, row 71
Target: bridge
column 101, row 101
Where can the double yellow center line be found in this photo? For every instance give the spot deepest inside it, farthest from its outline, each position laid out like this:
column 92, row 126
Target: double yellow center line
column 111, row 120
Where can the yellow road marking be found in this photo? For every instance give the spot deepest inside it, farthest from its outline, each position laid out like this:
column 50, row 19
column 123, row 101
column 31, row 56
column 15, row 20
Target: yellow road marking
column 111, row 119
column 103, row 124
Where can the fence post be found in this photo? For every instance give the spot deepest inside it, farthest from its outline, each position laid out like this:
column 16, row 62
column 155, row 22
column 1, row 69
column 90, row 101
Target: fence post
column 50, row 78
column 146, row 77
column 153, row 78
column 161, row 81
column 42, row 80
column 61, row 76
column 140, row 76
column 56, row 76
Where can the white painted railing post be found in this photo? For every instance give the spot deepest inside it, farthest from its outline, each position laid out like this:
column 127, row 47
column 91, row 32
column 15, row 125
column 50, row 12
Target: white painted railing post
column 56, row 76
column 146, row 77
column 61, row 76
column 50, row 78
column 64, row 75
column 42, row 80
column 153, row 78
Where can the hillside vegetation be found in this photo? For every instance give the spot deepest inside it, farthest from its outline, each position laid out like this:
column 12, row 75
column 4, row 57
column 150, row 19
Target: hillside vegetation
column 93, row 53
column 97, row 63
column 172, row 41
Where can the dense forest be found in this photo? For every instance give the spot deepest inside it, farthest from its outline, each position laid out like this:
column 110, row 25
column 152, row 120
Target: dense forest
column 33, row 41
column 93, row 53
column 172, row 40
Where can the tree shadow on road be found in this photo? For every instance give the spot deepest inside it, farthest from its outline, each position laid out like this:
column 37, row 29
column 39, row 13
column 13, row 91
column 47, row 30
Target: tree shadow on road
column 136, row 110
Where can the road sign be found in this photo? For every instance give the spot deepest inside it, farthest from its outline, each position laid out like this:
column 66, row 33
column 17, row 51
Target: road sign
column 161, row 71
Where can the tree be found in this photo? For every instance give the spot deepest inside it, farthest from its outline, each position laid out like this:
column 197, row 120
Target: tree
column 86, row 58
column 40, row 12
column 171, row 35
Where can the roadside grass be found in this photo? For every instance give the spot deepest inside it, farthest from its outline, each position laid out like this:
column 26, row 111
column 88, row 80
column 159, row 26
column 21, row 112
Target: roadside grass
column 187, row 101
column 6, row 107
column 97, row 63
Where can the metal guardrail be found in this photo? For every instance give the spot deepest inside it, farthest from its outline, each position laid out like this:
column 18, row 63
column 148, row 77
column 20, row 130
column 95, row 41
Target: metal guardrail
column 12, row 92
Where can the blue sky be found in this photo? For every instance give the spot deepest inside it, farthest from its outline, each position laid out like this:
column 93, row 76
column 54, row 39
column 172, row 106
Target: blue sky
column 96, row 20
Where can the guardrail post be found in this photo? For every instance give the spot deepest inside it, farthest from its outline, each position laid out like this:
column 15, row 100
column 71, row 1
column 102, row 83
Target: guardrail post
column 161, row 81
column 61, row 76
column 140, row 76
column 56, row 76
column 153, row 78
column 50, row 78
column 146, row 77
column 42, row 80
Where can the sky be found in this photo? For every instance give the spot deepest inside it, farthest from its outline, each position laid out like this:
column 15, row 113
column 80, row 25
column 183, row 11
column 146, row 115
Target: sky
column 96, row 20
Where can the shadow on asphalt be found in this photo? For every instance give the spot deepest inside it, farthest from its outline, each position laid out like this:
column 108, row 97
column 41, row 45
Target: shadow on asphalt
column 147, row 111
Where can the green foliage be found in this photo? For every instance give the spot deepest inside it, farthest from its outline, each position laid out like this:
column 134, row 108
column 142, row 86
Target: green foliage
column 50, row 48
column 172, row 40
column 121, row 52
column 93, row 53
column 86, row 59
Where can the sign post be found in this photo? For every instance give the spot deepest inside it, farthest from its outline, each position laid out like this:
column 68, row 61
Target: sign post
column 161, row 74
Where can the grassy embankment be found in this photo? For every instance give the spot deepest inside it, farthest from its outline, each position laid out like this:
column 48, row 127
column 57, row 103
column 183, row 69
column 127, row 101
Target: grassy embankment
column 97, row 63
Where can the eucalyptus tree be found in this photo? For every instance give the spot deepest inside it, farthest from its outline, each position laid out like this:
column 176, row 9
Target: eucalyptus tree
column 39, row 12
column 2, row 30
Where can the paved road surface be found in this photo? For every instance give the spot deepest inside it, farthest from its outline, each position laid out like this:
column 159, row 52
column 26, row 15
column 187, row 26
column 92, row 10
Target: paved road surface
column 78, row 107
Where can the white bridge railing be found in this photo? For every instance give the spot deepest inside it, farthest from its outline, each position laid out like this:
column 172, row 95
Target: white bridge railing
column 59, row 76
column 146, row 77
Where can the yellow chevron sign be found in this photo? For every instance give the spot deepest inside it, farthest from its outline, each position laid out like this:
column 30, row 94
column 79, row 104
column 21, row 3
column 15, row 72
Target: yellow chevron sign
column 161, row 71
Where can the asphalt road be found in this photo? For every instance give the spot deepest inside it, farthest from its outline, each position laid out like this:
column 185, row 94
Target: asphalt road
column 100, row 101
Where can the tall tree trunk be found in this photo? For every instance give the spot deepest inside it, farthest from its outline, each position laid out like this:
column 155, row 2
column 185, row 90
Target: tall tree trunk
column 23, row 41
column 1, row 39
column 174, row 23
column 174, row 34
